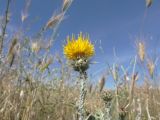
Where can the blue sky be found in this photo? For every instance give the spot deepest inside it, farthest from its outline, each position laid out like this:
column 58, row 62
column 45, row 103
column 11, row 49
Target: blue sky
column 113, row 24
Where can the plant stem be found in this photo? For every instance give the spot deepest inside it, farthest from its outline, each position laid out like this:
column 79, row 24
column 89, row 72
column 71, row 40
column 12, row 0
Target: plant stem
column 4, row 26
column 83, row 77
column 107, row 111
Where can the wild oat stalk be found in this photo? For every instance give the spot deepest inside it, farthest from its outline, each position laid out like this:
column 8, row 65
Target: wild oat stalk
column 4, row 26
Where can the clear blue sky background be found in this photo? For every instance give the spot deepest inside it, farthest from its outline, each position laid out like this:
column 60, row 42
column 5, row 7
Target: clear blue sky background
column 114, row 24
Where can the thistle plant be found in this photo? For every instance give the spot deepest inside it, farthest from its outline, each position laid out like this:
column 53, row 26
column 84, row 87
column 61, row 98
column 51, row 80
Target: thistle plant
column 107, row 98
column 78, row 52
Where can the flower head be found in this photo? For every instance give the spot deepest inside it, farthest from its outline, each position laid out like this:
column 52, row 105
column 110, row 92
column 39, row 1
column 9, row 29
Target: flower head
column 79, row 51
column 78, row 48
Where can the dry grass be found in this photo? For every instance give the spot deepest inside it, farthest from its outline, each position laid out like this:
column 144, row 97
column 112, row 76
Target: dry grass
column 32, row 89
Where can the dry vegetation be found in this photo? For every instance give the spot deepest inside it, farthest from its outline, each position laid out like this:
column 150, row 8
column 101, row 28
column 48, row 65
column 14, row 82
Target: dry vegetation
column 32, row 89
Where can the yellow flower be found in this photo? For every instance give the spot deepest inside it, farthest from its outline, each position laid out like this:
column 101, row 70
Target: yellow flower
column 78, row 48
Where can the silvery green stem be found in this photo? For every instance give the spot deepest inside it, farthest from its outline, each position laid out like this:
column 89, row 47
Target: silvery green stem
column 107, row 115
column 83, row 76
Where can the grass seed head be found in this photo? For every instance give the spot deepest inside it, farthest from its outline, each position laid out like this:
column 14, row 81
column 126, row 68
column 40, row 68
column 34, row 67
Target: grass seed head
column 45, row 64
column 12, row 51
column 12, row 46
column 54, row 20
column 90, row 88
column 141, row 51
column 135, row 76
column 101, row 83
column 35, row 47
column 149, row 3
column 66, row 4
column 151, row 67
